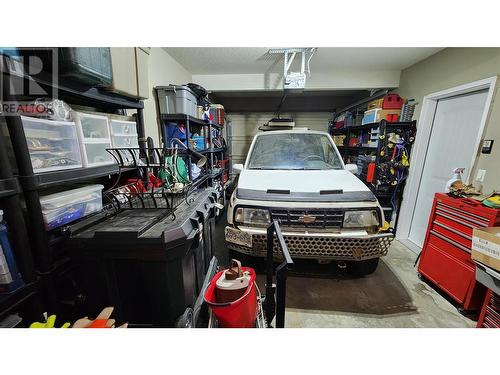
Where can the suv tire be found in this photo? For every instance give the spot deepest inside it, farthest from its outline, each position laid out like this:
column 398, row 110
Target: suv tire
column 362, row 267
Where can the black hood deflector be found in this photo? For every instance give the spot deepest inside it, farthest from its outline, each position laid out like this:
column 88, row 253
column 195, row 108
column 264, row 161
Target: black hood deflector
column 349, row 196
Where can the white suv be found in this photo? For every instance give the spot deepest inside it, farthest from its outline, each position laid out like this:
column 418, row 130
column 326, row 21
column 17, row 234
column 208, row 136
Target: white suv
column 298, row 178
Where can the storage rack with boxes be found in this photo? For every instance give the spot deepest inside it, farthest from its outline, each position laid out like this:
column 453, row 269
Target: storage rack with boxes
column 51, row 261
column 25, row 299
column 378, row 139
column 54, row 158
column 182, row 116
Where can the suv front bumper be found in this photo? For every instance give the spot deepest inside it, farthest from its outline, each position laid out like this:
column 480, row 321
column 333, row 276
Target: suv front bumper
column 327, row 246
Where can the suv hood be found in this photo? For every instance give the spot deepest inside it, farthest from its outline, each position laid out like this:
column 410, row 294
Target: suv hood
column 300, row 181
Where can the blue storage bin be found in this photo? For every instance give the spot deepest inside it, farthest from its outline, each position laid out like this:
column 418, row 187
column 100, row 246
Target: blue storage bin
column 199, row 141
column 371, row 116
column 10, row 279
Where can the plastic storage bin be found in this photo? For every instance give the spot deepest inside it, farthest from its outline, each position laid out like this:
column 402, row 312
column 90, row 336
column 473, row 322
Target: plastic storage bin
column 10, row 279
column 67, row 206
column 123, row 127
column 371, row 116
column 95, row 154
column 124, row 135
column 157, row 264
column 126, row 141
column 177, row 100
column 94, row 137
column 53, row 145
column 199, row 141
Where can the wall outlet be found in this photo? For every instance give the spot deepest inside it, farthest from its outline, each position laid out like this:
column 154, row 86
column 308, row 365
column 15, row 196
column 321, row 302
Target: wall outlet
column 481, row 173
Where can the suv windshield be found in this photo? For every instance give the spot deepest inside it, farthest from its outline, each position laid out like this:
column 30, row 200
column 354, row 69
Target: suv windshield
column 293, row 151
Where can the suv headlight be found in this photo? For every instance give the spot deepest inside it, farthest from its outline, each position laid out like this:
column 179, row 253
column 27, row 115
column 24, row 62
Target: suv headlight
column 255, row 216
column 360, row 219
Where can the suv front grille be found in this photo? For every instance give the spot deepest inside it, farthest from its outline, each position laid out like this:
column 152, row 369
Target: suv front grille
column 306, row 218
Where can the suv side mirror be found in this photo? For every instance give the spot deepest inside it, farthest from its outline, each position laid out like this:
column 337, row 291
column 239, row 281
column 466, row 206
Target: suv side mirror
column 353, row 168
column 237, row 168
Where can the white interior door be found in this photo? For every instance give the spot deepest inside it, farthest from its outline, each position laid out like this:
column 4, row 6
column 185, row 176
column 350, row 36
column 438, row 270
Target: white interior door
column 452, row 143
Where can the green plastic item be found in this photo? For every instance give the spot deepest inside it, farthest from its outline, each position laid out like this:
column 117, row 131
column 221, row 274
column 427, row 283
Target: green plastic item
column 490, row 203
column 180, row 170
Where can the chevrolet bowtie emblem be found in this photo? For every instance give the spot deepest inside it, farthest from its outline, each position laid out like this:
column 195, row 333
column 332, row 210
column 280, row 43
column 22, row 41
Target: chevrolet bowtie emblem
column 307, row 219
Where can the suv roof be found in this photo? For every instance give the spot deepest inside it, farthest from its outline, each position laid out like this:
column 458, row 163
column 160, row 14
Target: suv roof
column 295, row 131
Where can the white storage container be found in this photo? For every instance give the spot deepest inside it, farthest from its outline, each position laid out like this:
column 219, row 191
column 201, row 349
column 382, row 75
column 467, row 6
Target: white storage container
column 96, row 154
column 124, row 135
column 126, row 141
column 53, row 145
column 94, row 138
column 70, row 205
column 121, row 127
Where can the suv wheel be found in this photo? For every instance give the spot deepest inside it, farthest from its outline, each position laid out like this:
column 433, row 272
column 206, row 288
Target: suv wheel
column 362, row 267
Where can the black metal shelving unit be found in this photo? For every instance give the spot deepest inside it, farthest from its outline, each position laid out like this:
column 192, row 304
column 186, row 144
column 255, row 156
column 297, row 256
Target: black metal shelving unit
column 383, row 193
column 23, row 298
column 10, row 202
column 189, row 122
column 32, row 183
column 354, row 150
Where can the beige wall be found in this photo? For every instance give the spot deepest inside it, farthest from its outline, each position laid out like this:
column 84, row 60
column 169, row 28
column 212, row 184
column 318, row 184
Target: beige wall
column 245, row 125
column 163, row 70
column 452, row 67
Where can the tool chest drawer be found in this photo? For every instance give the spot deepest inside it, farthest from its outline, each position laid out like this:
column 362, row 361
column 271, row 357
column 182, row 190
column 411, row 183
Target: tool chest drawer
column 438, row 265
column 468, row 207
column 459, row 221
column 444, row 244
column 490, row 313
column 446, row 254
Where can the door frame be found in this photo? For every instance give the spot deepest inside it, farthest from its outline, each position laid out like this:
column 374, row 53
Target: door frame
column 419, row 151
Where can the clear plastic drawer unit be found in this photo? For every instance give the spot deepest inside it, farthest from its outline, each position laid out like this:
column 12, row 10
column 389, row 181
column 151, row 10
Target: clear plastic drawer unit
column 53, row 145
column 94, row 138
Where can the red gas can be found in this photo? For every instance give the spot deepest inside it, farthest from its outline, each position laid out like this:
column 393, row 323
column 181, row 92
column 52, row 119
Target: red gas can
column 240, row 313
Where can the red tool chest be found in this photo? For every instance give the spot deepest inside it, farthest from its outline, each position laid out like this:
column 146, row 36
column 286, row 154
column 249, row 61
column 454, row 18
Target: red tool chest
column 446, row 254
column 490, row 313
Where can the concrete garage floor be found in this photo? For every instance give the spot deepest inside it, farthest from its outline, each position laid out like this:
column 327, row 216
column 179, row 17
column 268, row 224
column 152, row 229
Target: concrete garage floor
column 322, row 296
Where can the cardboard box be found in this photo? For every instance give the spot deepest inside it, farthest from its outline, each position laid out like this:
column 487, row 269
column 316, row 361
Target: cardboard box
column 377, row 103
column 486, row 246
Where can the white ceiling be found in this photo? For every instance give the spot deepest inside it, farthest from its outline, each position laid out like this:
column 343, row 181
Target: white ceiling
column 243, row 60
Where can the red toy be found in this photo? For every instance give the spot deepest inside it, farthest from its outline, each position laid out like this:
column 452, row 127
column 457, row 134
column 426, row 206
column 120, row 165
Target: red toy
column 392, row 101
